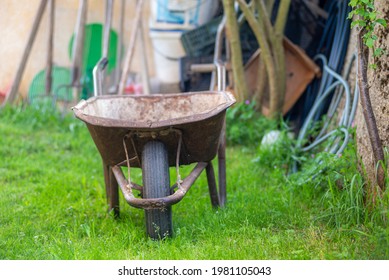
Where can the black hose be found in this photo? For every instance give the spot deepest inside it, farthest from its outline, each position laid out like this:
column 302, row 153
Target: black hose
column 333, row 46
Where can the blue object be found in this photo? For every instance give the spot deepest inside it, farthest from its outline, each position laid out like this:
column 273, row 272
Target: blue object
column 164, row 14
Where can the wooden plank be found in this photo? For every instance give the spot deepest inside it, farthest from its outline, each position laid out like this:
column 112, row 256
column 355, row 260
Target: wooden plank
column 50, row 43
column 10, row 98
column 131, row 47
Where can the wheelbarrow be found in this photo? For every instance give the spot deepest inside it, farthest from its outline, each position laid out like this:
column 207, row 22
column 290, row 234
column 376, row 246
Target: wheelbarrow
column 155, row 132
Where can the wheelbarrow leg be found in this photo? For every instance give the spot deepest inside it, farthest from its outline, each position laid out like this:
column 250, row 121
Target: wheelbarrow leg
column 222, row 169
column 212, row 185
column 112, row 191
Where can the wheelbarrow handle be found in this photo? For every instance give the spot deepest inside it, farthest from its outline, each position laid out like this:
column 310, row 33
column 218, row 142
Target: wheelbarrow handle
column 202, row 68
column 98, row 76
column 218, row 64
column 221, row 75
column 220, row 70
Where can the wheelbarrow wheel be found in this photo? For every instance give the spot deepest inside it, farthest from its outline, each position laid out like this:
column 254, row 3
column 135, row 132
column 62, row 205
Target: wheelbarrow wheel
column 156, row 183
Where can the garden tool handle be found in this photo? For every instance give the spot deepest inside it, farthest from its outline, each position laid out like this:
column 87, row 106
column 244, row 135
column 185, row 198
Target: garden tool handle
column 221, row 75
column 97, row 76
column 210, row 67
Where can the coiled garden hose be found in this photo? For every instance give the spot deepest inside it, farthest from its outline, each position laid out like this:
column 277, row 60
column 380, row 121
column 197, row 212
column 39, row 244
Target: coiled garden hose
column 340, row 88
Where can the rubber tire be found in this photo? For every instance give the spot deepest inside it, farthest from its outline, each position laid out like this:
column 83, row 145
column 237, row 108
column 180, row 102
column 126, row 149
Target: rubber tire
column 156, row 184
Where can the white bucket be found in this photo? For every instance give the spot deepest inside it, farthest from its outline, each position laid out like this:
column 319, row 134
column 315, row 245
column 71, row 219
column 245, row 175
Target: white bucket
column 167, row 49
column 184, row 13
column 169, row 19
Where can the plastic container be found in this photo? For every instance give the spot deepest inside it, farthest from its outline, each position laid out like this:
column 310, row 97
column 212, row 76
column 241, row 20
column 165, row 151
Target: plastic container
column 183, row 12
column 201, row 40
column 169, row 19
column 168, row 50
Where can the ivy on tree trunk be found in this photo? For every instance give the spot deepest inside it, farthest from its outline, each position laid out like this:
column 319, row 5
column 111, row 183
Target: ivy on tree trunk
column 367, row 109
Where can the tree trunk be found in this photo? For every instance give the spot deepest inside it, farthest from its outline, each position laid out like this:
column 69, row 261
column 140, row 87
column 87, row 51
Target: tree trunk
column 232, row 32
column 262, row 84
column 279, row 52
column 368, row 113
column 270, row 39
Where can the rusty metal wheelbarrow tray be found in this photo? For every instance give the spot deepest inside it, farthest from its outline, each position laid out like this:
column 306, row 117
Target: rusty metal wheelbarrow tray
column 131, row 120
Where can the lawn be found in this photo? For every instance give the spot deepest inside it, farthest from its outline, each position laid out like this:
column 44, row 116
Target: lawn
column 53, row 206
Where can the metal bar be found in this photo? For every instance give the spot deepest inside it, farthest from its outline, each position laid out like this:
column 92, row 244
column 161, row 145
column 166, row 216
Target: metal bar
column 112, row 190
column 178, row 181
column 106, row 169
column 203, row 68
column 26, row 53
column 157, row 203
column 114, row 194
column 221, row 75
column 131, row 47
column 212, row 185
column 218, row 48
column 222, row 168
column 98, row 76
column 50, row 42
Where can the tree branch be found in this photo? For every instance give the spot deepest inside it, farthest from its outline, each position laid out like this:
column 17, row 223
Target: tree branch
column 259, row 32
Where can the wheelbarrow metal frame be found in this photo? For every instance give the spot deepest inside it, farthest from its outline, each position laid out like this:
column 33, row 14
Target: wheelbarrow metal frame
column 207, row 143
column 158, row 203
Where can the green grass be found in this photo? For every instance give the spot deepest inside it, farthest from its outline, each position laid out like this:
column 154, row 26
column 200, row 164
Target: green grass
column 53, row 206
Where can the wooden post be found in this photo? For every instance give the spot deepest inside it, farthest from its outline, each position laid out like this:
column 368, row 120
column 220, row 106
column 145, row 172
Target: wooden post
column 22, row 65
column 131, row 47
column 78, row 43
column 50, row 42
column 106, row 39
column 119, row 45
column 107, row 27
column 145, row 69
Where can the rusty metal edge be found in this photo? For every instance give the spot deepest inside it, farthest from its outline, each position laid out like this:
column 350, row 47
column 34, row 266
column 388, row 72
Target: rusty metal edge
column 108, row 122
column 157, row 203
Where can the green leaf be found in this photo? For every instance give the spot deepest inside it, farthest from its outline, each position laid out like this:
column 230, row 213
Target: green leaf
column 369, row 42
column 382, row 22
column 373, row 66
column 370, row 6
column 360, row 11
column 378, row 52
column 351, row 14
column 372, row 16
column 360, row 23
column 353, row 3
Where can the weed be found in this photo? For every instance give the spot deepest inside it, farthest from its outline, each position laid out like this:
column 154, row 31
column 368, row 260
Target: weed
column 245, row 126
